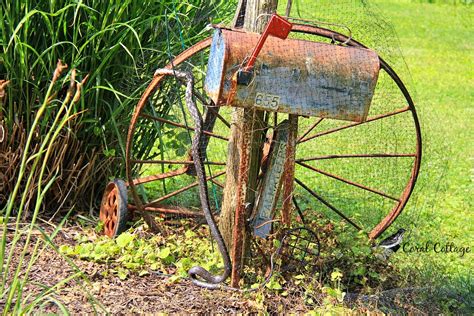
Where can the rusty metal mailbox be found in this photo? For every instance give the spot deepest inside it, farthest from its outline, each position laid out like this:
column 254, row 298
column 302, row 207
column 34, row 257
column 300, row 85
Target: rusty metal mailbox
column 293, row 76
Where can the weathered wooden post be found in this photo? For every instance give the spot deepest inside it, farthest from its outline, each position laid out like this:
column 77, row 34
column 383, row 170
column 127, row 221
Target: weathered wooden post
column 244, row 154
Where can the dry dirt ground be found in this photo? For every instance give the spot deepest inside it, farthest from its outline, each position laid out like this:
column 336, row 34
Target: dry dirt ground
column 152, row 293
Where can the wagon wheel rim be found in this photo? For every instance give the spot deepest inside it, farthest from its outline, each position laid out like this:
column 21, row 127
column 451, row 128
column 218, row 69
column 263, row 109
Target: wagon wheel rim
column 405, row 195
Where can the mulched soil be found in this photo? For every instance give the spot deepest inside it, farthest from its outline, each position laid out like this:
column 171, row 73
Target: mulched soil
column 153, row 293
column 150, row 293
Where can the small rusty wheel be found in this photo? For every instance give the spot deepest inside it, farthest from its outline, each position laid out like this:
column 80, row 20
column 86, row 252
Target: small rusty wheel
column 113, row 209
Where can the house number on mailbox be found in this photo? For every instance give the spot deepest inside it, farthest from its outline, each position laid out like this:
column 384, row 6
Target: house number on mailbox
column 267, row 100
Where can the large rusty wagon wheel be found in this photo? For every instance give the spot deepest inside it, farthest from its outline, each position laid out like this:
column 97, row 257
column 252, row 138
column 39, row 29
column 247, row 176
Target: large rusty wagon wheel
column 165, row 181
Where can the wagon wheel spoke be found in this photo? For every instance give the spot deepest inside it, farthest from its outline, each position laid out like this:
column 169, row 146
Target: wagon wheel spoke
column 183, row 189
column 213, row 109
column 160, row 176
column 327, row 204
column 313, row 126
column 376, row 155
column 371, row 119
column 175, row 162
column 189, row 128
column 349, row 182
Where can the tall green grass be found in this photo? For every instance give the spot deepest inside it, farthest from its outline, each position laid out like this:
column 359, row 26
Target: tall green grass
column 19, row 249
column 118, row 43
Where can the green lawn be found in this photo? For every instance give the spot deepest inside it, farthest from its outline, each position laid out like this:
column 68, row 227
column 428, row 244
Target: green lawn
column 436, row 41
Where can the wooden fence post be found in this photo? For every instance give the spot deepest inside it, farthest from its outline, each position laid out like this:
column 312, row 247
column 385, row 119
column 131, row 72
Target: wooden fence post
column 244, row 154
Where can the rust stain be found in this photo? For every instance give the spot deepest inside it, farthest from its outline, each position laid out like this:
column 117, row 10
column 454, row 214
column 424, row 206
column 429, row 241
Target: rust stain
column 289, row 177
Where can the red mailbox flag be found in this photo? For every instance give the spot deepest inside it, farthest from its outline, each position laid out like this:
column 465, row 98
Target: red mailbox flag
column 278, row 27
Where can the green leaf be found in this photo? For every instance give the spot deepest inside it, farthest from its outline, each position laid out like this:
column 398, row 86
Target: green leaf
column 299, row 277
column 180, row 151
column 189, row 234
column 124, row 239
column 336, row 275
column 164, row 253
column 274, row 285
column 109, row 152
column 122, row 274
column 183, row 137
column 174, row 278
column 276, row 243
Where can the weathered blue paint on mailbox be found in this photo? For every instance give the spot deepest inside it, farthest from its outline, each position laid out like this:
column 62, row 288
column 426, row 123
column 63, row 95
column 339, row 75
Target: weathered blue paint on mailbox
column 215, row 68
column 293, row 76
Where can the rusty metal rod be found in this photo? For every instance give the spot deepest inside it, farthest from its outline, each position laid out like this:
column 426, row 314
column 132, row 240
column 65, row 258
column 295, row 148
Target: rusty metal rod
column 190, row 186
column 378, row 155
column 217, row 183
column 220, row 117
column 162, row 120
column 320, row 199
column 363, row 187
column 160, row 176
column 289, row 167
column 375, row 118
column 309, row 129
column 169, row 210
column 298, row 209
column 210, row 107
column 176, row 162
